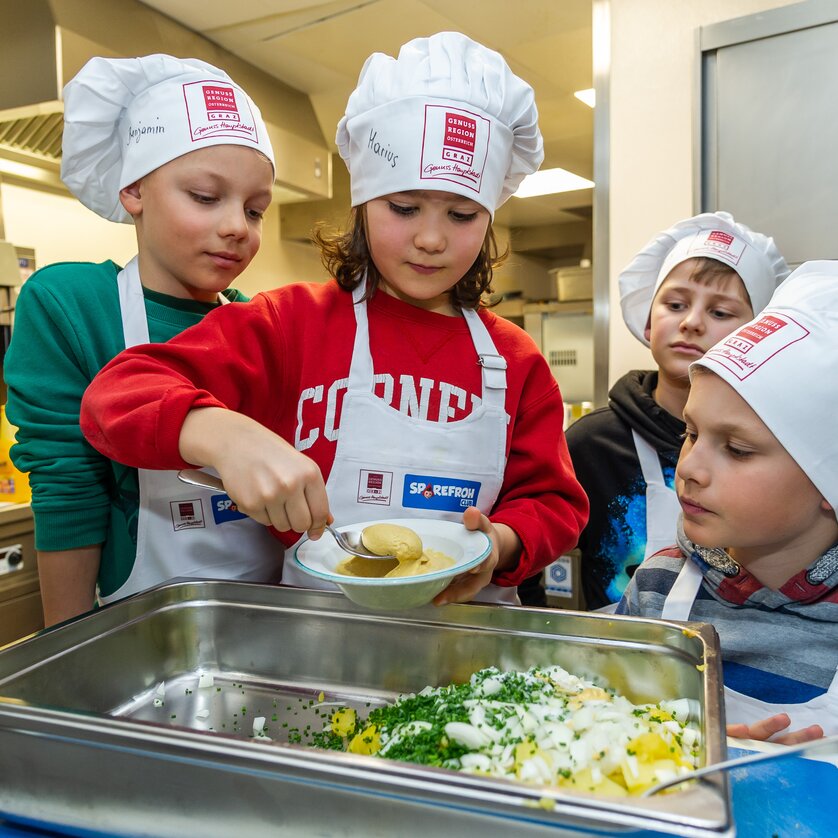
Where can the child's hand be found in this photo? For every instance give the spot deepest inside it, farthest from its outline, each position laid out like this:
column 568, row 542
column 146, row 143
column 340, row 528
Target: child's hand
column 766, row 728
column 268, row 479
column 504, row 541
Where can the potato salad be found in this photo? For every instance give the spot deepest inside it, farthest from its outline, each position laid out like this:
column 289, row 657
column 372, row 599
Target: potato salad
column 543, row 726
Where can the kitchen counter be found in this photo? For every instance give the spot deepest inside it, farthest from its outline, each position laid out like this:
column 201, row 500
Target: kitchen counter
column 20, row 595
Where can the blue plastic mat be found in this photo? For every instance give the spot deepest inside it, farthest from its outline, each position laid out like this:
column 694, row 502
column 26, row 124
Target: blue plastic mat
column 791, row 797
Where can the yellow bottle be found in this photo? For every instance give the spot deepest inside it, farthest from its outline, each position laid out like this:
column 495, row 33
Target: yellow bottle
column 14, row 484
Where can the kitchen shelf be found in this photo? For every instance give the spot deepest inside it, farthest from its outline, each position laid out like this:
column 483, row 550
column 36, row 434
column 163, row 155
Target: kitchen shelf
column 555, row 307
column 518, row 308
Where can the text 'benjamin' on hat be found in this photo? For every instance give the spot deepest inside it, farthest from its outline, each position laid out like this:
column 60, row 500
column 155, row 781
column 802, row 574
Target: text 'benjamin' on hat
column 713, row 235
column 448, row 114
column 126, row 117
column 783, row 365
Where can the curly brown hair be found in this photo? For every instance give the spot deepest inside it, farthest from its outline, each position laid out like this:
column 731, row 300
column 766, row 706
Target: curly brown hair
column 346, row 256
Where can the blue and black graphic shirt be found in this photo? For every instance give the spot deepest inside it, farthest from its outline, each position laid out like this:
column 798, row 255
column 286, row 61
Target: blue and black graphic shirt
column 606, row 463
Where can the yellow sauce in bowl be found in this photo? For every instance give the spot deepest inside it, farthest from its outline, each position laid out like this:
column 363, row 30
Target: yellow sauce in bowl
column 389, row 539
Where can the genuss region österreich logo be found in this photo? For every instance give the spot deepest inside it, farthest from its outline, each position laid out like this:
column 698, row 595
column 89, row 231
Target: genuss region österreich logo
column 757, row 342
column 455, row 144
column 215, row 108
column 720, row 245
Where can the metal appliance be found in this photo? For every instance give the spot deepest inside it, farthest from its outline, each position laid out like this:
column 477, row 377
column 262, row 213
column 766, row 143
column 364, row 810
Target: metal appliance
column 120, row 695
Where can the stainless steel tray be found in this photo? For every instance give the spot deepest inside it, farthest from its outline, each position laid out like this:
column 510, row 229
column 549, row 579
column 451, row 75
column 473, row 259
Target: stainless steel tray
column 83, row 745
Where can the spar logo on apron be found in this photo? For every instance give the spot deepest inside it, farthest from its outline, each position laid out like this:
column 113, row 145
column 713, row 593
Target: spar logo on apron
column 444, row 494
column 224, row 509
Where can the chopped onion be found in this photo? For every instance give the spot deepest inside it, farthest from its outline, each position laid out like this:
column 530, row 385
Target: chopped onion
column 259, row 728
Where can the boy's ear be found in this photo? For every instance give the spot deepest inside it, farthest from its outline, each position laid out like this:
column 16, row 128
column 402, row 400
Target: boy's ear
column 647, row 333
column 131, row 199
column 826, row 506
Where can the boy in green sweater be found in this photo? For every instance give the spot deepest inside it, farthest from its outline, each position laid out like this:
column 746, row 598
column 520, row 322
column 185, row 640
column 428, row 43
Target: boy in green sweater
column 176, row 148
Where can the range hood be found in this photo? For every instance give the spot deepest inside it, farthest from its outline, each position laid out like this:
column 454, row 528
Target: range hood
column 44, row 43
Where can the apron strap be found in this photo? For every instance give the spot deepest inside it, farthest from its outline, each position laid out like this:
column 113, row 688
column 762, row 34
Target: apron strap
column 492, row 364
column 662, row 507
column 680, row 600
column 650, row 463
column 362, row 376
column 132, row 305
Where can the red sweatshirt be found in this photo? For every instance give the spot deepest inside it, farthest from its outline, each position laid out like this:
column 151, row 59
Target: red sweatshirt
column 283, row 359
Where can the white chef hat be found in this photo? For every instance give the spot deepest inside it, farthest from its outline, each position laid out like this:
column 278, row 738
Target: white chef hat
column 448, row 114
column 783, row 365
column 126, row 117
column 713, row 235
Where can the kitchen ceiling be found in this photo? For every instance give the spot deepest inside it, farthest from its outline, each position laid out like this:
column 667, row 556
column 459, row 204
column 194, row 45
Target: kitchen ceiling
column 319, row 48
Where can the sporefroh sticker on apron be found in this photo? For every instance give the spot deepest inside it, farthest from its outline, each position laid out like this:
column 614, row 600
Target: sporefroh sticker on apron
column 744, row 709
column 390, row 465
column 182, row 530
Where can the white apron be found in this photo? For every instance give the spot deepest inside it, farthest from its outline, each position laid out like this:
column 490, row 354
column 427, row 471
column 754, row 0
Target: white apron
column 744, row 709
column 183, row 530
column 384, row 459
column 662, row 507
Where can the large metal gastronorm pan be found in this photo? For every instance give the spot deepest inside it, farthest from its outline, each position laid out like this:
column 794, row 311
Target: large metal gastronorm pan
column 89, row 740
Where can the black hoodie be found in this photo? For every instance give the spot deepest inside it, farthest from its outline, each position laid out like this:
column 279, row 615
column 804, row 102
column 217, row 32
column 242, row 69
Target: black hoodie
column 606, row 463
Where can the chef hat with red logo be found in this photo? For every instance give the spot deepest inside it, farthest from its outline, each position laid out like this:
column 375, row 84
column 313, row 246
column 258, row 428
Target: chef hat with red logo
column 126, row 117
column 448, row 115
column 712, row 235
column 783, row 365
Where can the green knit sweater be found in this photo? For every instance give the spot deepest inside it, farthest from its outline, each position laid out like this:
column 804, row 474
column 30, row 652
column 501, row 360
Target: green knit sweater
column 67, row 327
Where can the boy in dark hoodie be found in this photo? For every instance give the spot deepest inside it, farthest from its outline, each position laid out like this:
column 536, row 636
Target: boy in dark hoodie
column 689, row 287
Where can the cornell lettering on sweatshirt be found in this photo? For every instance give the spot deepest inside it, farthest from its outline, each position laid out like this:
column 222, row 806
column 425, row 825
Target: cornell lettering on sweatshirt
column 318, row 408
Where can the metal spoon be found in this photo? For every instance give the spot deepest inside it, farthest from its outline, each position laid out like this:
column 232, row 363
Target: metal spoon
column 828, row 744
column 351, row 542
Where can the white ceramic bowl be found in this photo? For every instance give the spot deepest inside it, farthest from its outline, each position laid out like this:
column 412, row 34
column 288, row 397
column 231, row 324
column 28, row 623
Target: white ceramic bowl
column 468, row 549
